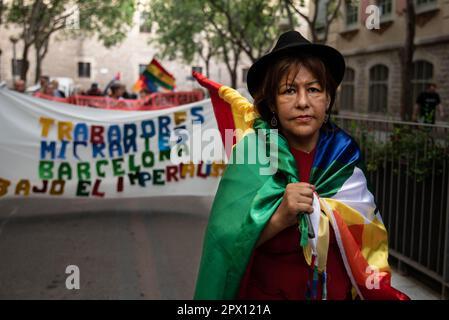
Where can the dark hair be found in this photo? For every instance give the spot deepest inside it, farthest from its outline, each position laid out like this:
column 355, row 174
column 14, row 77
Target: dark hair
column 265, row 96
column 115, row 86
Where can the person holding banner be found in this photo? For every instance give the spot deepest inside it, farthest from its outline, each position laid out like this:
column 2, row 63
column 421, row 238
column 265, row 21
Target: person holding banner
column 311, row 229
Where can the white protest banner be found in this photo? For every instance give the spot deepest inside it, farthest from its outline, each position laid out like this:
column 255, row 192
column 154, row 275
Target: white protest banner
column 51, row 149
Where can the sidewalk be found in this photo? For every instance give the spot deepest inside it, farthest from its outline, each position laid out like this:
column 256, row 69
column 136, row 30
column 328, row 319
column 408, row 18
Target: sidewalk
column 413, row 288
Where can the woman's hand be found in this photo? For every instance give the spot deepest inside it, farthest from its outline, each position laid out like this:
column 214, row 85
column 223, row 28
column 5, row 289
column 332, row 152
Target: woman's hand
column 298, row 197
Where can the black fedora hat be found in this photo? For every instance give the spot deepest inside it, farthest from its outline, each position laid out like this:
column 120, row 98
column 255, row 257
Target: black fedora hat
column 291, row 43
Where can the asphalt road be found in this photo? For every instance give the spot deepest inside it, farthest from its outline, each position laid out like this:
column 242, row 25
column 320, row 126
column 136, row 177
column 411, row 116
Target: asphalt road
column 124, row 249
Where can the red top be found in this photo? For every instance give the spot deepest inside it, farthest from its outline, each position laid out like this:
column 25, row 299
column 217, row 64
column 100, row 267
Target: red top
column 278, row 269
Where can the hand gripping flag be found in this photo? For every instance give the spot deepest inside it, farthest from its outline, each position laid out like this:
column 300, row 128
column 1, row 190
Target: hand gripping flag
column 245, row 201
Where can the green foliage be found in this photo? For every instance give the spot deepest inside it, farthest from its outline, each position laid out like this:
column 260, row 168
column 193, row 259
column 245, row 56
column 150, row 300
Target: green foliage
column 39, row 20
column 179, row 25
column 420, row 151
column 109, row 20
column 185, row 27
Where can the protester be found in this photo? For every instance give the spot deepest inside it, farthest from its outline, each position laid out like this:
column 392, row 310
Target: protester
column 56, row 92
column 426, row 105
column 144, row 93
column 94, row 90
column 49, row 89
column 19, row 86
column 117, row 90
column 309, row 228
column 127, row 95
column 44, row 81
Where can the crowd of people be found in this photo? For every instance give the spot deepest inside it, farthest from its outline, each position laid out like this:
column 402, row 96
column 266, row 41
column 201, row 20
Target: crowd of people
column 115, row 94
column 115, row 89
column 425, row 108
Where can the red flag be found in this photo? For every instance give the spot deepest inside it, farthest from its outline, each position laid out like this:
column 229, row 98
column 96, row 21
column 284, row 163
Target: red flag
column 222, row 109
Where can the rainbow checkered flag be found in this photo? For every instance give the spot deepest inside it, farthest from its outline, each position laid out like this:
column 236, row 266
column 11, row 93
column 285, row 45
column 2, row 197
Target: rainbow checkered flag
column 153, row 77
column 245, row 201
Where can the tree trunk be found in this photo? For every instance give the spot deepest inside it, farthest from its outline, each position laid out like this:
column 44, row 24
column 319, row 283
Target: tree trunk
column 406, row 56
column 41, row 52
column 236, row 53
column 290, row 16
column 207, row 62
column 38, row 66
column 232, row 66
column 233, row 75
column 232, row 72
column 25, row 63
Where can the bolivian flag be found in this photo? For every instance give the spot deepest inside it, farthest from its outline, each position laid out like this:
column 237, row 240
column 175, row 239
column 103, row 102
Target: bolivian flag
column 155, row 76
column 246, row 199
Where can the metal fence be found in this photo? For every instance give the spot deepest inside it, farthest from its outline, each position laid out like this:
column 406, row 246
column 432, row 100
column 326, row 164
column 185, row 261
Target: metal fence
column 408, row 171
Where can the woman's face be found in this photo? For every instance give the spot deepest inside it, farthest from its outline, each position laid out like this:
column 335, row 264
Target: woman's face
column 301, row 106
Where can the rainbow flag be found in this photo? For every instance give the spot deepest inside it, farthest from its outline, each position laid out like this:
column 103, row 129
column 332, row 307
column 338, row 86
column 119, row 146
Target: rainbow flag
column 155, row 76
column 245, row 201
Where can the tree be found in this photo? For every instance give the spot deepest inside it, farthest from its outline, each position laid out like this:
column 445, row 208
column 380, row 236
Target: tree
column 229, row 51
column 252, row 25
column 219, row 29
column 185, row 32
column 2, row 8
column 40, row 19
column 182, row 31
column 406, row 57
column 324, row 13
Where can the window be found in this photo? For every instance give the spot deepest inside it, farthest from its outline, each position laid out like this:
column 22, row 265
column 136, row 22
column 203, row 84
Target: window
column 384, row 7
column 244, row 74
column 352, row 10
column 420, row 3
column 378, row 89
column 84, row 69
column 16, row 65
column 142, row 68
column 144, row 22
column 422, row 74
column 422, row 6
column 347, row 90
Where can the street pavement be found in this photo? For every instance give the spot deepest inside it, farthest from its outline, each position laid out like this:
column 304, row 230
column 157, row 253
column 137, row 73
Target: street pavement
column 124, row 248
column 412, row 287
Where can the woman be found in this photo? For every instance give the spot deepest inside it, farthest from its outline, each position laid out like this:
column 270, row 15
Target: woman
column 309, row 230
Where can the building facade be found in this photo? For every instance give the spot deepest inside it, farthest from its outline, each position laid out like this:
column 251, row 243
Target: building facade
column 372, row 82
column 86, row 60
